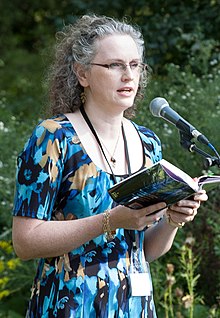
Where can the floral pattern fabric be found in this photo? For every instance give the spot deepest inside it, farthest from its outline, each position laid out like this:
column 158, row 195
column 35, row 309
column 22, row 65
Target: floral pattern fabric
column 56, row 180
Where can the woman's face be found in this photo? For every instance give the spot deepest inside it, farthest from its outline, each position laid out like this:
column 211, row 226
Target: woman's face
column 114, row 88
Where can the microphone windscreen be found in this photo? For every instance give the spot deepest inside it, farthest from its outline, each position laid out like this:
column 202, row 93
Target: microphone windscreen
column 156, row 105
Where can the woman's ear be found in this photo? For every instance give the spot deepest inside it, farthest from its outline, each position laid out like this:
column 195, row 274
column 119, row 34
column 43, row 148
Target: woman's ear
column 81, row 74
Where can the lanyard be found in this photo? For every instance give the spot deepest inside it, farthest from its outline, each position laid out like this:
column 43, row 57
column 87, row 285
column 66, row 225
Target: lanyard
column 82, row 110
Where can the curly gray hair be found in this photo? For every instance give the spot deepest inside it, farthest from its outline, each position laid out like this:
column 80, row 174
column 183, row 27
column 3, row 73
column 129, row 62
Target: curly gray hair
column 77, row 43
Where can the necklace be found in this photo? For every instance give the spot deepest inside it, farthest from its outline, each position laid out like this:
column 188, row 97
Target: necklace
column 112, row 156
column 82, row 110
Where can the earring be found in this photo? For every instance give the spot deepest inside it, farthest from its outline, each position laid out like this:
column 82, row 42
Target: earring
column 83, row 97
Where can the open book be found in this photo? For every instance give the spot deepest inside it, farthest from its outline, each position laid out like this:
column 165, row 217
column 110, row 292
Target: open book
column 162, row 182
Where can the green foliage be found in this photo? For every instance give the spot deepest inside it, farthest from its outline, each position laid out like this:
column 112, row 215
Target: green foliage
column 13, row 134
column 189, row 95
column 182, row 41
column 174, row 31
column 184, row 90
column 21, row 79
column 177, row 297
column 15, row 281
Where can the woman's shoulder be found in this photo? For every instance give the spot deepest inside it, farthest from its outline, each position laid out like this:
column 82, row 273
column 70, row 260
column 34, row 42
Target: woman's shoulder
column 146, row 133
column 150, row 142
column 57, row 127
column 55, row 123
column 54, row 130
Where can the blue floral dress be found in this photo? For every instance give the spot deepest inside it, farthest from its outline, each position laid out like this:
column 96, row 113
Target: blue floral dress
column 56, row 180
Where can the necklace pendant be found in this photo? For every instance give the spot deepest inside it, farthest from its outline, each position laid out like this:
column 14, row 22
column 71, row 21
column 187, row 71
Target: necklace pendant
column 113, row 161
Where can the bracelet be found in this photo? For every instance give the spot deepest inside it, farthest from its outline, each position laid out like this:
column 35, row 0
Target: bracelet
column 109, row 234
column 172, row 223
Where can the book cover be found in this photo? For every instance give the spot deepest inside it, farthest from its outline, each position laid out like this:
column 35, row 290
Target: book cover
column 162, row 182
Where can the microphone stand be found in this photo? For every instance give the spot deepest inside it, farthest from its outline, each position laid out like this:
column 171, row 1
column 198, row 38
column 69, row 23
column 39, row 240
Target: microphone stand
column 209, row 161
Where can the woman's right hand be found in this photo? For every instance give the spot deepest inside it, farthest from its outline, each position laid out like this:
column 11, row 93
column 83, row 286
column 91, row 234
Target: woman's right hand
column 132, row 219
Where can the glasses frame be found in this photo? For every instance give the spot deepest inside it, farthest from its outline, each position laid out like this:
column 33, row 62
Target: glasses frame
column 143, row 66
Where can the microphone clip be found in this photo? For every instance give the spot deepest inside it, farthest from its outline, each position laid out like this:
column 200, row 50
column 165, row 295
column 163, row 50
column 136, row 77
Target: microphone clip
column 209, row 161
column 185, row 140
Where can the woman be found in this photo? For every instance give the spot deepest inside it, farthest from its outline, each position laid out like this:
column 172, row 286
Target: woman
column 93, row 255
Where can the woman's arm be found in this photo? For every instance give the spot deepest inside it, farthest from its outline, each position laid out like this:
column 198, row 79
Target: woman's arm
column 34, row 238
column 159, row 238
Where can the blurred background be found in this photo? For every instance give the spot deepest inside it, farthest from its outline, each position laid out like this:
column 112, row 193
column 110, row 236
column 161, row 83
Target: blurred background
column 183, row 50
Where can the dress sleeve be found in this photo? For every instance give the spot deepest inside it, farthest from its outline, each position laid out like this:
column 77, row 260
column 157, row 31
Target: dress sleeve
column 39, row 171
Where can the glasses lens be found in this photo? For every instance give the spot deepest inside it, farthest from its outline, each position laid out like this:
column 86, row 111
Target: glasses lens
column 122, row 67
column 134, row 66
column 137, row 67
column 117, row 66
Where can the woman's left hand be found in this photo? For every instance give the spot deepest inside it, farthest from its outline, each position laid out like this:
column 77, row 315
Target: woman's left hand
column 186, row 210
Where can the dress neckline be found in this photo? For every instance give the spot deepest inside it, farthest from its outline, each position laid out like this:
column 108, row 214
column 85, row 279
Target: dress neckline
column 80, row 140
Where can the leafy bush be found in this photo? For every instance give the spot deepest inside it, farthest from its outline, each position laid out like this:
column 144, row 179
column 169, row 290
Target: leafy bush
column 197, row 99
column 15, row 281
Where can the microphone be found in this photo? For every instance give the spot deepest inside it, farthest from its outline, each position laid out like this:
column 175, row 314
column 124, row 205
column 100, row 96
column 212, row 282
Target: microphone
column 159, row 107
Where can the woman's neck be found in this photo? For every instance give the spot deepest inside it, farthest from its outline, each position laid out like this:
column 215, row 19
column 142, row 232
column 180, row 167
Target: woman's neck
column 107, row 124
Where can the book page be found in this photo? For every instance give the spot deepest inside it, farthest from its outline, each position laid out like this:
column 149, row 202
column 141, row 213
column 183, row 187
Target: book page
column 208, row 182
column 179, row 175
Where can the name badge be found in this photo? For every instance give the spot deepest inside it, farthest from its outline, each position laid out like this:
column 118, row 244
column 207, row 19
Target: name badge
column 141, row 284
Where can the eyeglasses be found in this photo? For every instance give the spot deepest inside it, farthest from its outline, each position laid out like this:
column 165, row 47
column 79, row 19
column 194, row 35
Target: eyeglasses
column 122, row 67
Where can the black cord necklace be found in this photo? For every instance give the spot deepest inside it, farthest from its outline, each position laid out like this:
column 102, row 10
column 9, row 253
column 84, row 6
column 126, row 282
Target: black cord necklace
column 85, row 116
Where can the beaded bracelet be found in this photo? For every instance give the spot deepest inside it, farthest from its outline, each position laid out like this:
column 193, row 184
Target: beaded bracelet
column 171, row 222
column 109, row 234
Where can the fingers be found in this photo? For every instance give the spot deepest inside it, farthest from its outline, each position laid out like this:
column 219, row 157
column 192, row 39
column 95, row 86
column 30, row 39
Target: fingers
column 201, row 196
column 148, row 216
column 184, row 205
column 131, row 219
column 186, row 210
column 183, row 214
column 155, row 208
column 145, row 217
column 155, row 217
